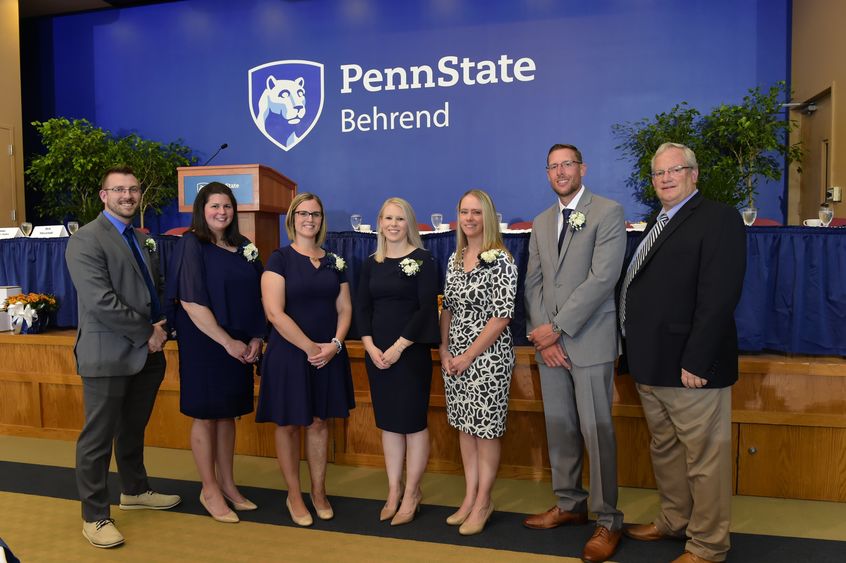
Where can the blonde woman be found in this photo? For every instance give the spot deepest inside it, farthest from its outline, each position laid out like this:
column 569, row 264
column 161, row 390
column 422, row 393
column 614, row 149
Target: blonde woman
column 477, row 352
column 306, row 376
column 397, row 317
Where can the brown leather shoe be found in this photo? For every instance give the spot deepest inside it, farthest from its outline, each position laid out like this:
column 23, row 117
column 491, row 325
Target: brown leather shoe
column 646, row 532
column 688, row 557
column 601, row 545
column 553, row 518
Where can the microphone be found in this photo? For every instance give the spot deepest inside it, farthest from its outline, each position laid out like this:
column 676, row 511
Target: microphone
column 223, row 146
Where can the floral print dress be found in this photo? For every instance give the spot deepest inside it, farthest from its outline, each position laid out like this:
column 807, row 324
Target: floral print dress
column 477, row 400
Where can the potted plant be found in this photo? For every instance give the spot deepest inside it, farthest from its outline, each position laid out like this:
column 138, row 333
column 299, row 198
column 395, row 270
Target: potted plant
column 735, row 145
column 77, row 153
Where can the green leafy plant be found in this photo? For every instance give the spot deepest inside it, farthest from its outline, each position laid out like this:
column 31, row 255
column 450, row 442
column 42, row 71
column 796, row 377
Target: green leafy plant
column 68, row 173
column 735, row 145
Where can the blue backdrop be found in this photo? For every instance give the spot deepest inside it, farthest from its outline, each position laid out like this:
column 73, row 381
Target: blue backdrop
column 179, row 70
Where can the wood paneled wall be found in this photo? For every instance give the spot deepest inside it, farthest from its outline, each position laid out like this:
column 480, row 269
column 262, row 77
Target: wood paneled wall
column 789, row 417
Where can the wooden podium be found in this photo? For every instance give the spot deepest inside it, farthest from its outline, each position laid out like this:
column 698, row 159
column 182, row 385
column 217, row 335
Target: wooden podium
column 261, row 192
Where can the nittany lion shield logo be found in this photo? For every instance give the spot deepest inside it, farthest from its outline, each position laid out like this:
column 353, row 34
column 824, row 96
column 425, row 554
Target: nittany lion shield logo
column 286, row 99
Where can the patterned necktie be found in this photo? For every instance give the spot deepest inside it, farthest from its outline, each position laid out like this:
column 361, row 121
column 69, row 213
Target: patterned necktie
column 566, row 213
column 637, row 262
column 129, row 235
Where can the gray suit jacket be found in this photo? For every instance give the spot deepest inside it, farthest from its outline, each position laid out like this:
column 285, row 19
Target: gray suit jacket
column 114, row 304
column 576, row 288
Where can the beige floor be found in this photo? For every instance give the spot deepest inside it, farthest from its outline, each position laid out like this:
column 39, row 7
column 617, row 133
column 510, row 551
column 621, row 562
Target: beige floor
column 809, row 519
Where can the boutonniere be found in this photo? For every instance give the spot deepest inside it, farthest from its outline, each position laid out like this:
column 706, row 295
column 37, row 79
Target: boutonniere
column 335, row 262
column 250, row 252
column 489, row 257
column 410, row 267
column 150, row 244
column 577, row 220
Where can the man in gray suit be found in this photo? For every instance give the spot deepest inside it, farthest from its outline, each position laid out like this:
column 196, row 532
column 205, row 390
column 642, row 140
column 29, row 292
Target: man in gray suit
column 119, row 355
column 575, row 257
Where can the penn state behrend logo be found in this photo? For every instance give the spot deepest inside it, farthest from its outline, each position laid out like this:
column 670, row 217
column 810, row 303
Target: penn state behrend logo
column 286, row 100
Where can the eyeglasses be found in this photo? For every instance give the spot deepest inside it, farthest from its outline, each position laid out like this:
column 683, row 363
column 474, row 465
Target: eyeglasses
column 565, row 165
column 134, row 190
column 307, row 214
column 673, row 172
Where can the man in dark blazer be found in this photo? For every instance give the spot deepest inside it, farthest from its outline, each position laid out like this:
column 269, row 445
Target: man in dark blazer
column 677, row 303
column 119, row 355
column 575, row 256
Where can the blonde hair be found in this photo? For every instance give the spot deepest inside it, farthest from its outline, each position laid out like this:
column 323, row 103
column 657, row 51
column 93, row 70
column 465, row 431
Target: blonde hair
column 289, row 217
column 412, row 232
column 491, row 237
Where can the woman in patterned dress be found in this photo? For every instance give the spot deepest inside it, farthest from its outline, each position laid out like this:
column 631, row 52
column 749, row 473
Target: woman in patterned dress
column 477, row 352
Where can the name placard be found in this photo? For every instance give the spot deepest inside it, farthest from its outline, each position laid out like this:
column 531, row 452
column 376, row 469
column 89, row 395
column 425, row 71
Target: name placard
column 10, row 232
column 240, row 184
column 49, row 231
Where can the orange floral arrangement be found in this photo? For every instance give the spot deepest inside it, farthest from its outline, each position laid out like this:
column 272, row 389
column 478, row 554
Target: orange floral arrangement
column 37, row 301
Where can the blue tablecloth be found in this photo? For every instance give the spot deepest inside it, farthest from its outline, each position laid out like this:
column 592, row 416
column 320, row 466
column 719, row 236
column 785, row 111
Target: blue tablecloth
column 794, row 298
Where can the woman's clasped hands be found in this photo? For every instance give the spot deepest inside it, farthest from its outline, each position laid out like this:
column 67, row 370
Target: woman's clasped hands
column 322, row 353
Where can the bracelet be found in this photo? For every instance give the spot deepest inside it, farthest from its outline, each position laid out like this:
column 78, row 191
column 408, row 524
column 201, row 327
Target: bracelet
column 339, row 344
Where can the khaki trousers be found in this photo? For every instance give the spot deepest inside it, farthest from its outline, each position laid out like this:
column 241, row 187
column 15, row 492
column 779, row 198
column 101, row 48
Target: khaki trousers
column 691, row 457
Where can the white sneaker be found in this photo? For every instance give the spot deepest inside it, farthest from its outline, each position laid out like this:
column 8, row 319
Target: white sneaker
column 102, row 533
column 149, row 500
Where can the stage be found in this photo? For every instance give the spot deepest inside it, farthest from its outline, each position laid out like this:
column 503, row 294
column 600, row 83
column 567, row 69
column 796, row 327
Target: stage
column 788, row 431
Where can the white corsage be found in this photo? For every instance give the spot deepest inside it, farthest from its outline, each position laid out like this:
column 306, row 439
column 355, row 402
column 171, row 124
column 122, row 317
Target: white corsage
column 150, row 244
column 410, row 267
column 577, row 220
column 250, row 252
column 489, row 257
column 335, row 262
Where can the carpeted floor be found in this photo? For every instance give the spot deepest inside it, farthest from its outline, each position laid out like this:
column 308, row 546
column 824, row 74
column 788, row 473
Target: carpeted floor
column 41, row 523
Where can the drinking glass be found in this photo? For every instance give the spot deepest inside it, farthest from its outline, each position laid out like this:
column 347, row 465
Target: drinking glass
column 437, row 221
column 749, row 215
column 26, row 228
column 826, row 214
column 73, row 226
column 355, row 221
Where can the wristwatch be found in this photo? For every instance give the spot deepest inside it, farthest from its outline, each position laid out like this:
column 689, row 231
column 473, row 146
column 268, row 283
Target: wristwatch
column 338, row 343
column 555, row 328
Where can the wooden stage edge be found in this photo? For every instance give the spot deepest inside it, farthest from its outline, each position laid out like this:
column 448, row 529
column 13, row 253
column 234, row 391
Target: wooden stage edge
column 788, row 418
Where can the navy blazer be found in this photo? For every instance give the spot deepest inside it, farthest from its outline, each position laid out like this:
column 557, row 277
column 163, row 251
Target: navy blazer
column 680, row 304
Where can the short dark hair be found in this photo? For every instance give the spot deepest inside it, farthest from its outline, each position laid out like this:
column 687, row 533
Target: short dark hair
column 231, row 235
column 117, row 169
column 559, row 146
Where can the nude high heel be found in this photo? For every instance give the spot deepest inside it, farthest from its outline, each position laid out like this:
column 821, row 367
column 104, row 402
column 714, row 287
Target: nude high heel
column 405, row 517
column 228, row 518
column 468, row 529
column 246, row 505
column 304, row 521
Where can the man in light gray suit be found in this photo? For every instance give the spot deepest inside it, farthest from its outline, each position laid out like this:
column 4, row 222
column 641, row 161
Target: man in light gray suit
column 119, row 355
column 575, row 257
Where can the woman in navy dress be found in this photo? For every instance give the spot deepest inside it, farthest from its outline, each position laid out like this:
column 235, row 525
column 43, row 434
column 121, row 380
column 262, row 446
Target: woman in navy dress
column 214, row 286
column 397, row 318
column 306, row 376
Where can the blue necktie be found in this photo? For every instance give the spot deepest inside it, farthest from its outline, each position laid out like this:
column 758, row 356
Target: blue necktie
column 637, row 262
column 566, row 213
column 129, row 235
